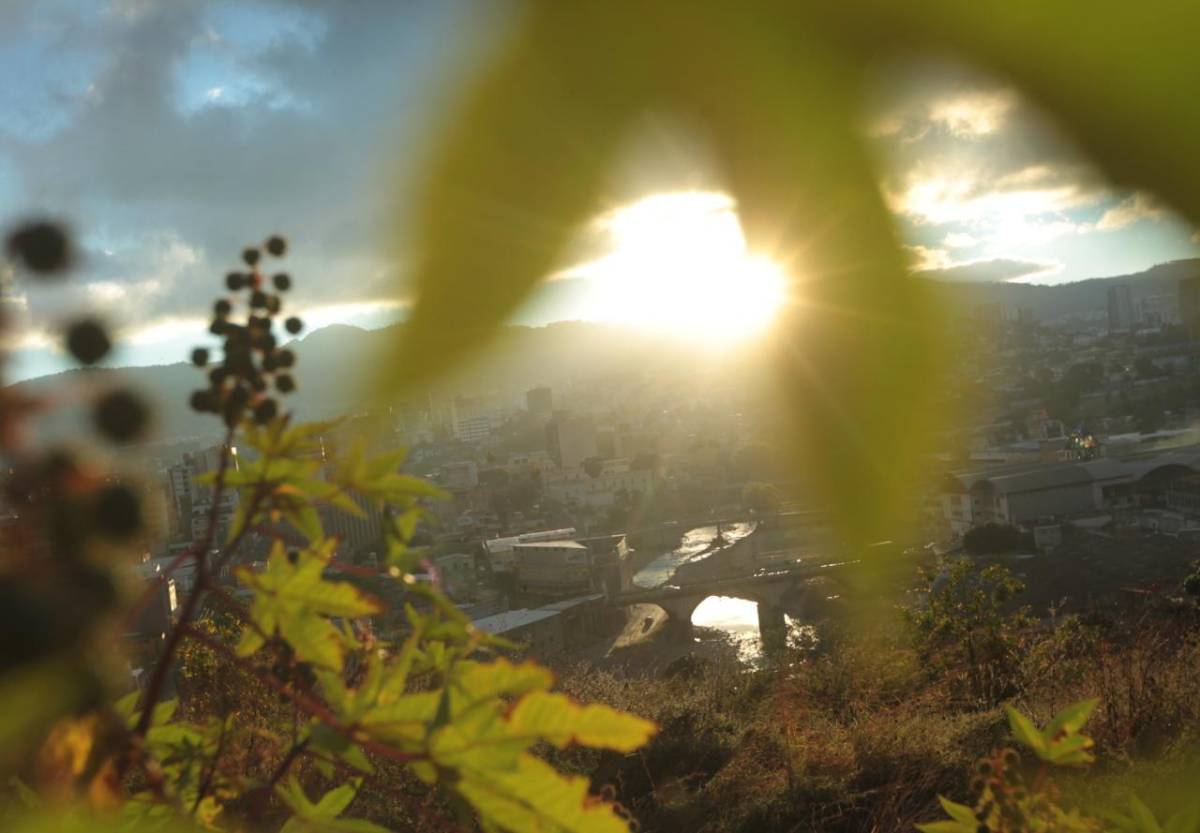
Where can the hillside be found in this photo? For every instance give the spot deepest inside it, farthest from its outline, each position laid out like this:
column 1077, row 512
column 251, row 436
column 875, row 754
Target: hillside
column 1052, row 301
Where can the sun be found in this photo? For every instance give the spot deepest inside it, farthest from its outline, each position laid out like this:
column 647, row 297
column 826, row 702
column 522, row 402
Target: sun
column 679, row 264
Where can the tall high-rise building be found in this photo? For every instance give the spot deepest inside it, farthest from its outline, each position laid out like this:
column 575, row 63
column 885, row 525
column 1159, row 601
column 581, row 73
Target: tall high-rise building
column 1189, row 304
column 1120, row 308
column 539, row 401
column 570, row 439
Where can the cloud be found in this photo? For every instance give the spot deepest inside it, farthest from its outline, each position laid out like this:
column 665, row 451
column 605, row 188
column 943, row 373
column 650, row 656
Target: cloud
column 996, row 269
column 973, row 114
column 924, row 258
column 960, row 240
column 1129, row 211
column 318, row 110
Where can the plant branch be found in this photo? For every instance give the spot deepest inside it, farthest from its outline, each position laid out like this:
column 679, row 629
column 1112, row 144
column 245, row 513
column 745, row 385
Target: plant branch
column 310, row 705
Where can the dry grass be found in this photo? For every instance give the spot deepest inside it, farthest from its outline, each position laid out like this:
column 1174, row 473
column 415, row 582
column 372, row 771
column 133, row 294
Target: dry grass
column 862, row 738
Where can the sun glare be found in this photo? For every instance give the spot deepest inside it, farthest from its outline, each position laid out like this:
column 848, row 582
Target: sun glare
column 679, row 264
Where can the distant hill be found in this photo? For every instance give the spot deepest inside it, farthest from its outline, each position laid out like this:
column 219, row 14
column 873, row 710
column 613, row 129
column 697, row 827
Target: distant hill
column 1050, row 302
column 337, row 363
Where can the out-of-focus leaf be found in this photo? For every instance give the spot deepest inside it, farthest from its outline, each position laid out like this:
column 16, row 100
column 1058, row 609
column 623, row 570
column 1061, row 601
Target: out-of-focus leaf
column 533, row 796
column 1130, row 66
column 1024, row 731
column 561, row 721
column 1071, row 719
column 781, row 111
column 516, row 174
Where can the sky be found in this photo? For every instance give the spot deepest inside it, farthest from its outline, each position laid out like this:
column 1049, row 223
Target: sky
column 171, row 134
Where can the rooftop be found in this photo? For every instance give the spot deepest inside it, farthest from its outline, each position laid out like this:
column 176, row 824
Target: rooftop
column 512, row 619
column 550, row 545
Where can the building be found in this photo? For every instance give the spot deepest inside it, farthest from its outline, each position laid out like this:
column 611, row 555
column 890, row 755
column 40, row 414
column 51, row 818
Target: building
column 500, row 550
column 460, row 476
column 473, row 418
column 1029, row 494
column 570, row 439
column 563, row 625
column 1120, row 308
column 539, row 401
column 457, row 572
column 1189, row 304
column 538, row 631
column 553, row 568
column 615, row 478
column 611, row 561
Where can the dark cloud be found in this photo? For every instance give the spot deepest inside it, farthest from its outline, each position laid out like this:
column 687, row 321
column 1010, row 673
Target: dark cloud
column 166, row 195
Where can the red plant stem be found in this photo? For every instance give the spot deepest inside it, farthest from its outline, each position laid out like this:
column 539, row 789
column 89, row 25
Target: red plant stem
column 158, row 678
column 307, row 704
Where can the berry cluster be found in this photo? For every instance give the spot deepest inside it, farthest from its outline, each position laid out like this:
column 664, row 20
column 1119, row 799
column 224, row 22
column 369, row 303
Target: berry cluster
column 253, row 360
column 65, row 510
column 1004, row 803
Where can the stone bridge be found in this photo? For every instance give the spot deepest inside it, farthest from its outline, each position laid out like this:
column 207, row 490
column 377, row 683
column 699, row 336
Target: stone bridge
column 766, row 588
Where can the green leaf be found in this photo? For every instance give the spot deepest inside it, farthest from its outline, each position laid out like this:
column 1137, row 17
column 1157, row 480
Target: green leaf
column 1025, row 732
column 1071, row 719
column 959, row 812
column 294, row 599
column 947, row 826
column 533, row 796
column 1185, row 821
column 561, row 721
column 1142, row 816
column 323, row 816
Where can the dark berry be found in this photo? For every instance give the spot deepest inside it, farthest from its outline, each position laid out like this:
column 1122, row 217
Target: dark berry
column 293, row 557
column 219, row 327
column 121, row 416
column 200, row 356
column 42, row 247
column 204, row 401
column 282, row 281
column 276, row 245
column 235, row 281
column 258, row 299
column 258, row 383
column 285, row 383
column 274, row 305
column 285, row 358
column 250, row 255
column 265, row 411
column 118, row 512
column 222, row 308
column 88, row 341
column 294, row 325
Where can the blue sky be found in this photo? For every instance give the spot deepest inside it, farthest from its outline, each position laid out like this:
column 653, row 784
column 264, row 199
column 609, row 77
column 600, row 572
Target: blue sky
column 173, row 133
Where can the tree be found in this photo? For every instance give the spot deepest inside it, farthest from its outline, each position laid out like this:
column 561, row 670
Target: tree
column 994, row 539
column 963, row 626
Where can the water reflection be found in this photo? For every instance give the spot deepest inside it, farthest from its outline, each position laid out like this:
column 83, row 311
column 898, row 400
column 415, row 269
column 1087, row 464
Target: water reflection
column 696, row 545
column 738, row 618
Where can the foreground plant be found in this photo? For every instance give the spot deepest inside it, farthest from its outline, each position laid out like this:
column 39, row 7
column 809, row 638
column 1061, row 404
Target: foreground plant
column 432, row 698
column 1009, row 800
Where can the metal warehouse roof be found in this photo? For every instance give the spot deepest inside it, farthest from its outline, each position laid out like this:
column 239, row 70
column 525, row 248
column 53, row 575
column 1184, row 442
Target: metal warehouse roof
column 550, row 545
column 512, row 619
column 1037, row 476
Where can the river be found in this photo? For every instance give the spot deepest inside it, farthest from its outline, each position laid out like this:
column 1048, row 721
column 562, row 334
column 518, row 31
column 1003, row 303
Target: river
column 737, row 618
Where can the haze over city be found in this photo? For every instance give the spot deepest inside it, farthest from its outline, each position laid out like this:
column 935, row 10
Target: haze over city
column 529, row 416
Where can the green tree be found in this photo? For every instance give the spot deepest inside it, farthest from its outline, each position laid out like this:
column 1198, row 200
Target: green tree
column 963, row 626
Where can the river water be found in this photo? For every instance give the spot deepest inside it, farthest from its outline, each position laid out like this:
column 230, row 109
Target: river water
column 696, row 545
column 738, row 618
